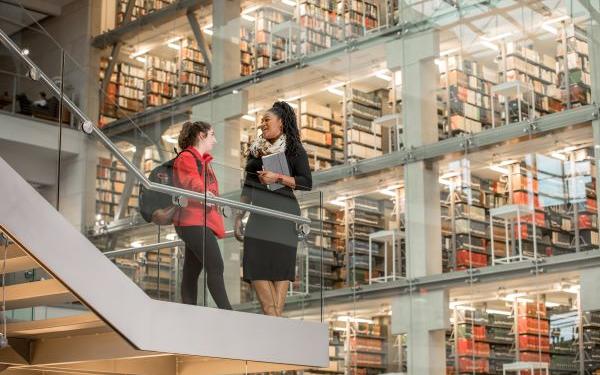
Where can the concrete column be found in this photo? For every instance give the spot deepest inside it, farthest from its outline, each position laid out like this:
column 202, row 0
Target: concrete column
column 593, row 32
column 414, row 56
column 226, row 41
column 77, row 186
column 224, row 113
column 424, row 318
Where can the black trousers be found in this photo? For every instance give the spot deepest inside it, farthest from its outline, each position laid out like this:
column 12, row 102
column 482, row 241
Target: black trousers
column 201, row 252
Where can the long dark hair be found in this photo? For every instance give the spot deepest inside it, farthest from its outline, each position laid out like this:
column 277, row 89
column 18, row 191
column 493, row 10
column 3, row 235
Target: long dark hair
column 189, row 132
column 287, row 115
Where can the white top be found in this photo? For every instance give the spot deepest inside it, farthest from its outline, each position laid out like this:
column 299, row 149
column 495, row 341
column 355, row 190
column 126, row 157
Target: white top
column 511, row 211
column 525, row 366
column 510, row 88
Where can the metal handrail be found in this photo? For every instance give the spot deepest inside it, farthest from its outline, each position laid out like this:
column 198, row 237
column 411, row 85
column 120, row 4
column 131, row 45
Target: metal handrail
column 89, row 128
column 152, row 247
column 143, row 249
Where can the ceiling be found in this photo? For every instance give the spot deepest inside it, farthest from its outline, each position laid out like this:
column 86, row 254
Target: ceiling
column 16, row 15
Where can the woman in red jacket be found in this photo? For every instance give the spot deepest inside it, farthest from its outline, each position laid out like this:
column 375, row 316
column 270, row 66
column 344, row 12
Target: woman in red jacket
column 198, row 225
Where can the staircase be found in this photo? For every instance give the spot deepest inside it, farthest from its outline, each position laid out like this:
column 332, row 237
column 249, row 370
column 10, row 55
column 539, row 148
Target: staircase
column 113, row 327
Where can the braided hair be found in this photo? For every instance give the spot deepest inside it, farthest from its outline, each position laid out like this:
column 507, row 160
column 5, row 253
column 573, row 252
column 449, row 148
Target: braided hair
column 287, row 116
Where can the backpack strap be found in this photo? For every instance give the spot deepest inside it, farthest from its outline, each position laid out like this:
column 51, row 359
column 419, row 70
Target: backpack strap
column 198, row 161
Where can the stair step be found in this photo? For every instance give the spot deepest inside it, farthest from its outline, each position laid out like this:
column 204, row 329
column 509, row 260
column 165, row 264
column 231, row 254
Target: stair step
column 68, row 325
column 13, row 250
column 19, row 263
column 38, row 293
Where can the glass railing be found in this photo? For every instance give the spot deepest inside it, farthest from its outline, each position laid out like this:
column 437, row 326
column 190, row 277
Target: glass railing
column 121, row 168
column 527, row 199
column 489, row 75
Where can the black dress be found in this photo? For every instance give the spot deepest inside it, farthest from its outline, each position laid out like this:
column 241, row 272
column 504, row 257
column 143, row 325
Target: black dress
column 270, row 243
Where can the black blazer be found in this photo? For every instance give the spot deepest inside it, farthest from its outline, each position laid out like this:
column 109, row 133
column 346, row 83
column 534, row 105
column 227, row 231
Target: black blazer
column 299, row 169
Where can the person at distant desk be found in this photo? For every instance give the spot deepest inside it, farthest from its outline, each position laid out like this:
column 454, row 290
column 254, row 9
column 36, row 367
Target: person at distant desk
column 270, row 244
column 42, row 102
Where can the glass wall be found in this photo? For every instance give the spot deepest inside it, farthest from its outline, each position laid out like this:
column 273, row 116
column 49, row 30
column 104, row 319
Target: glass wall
column 453, row 149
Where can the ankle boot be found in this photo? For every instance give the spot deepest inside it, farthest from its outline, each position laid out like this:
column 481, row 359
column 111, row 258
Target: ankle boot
column 265, row 296
column 281, row 288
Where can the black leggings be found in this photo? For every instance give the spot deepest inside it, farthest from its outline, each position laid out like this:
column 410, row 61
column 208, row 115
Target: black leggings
column 195, row 259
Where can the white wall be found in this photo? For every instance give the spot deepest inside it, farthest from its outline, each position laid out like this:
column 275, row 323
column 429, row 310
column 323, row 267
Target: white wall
column 30, row 147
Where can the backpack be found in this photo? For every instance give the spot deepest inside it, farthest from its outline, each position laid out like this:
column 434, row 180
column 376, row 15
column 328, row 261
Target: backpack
column 156, row 207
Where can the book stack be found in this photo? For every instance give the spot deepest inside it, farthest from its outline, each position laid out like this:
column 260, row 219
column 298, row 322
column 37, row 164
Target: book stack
column 161, row 80
column 247, row 49
column 465, row 95
column 535, row 69
column 140, row 9
column 324, row 240
column 533, row 332
column 363, row 136
column 320, row 141
column 110, row 183
column 574, row 67
column 360, row 16
column 193, row 71
column 320, row 25
column 365, row 218
column 125, row 91
column 269, row 47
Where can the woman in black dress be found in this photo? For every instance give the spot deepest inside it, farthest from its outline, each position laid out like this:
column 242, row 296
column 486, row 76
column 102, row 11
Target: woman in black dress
column 269, row 243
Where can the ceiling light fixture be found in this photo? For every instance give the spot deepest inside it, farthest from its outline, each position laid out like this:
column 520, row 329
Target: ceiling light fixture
column 335, row 91
column 556, row 20
column 291, row 3
column 208, row 29
column 169, row 139
column 254, row 110
column 449, row 51
column 346, row 318
column 382, row 74
column 173, row 46
column 497, row 37
column 137, row 244
column 248, row 17
column 489, row 45
column 339, row 201
column 249, row 118
column 550, row 29
column 174, row 39
column 140, row 52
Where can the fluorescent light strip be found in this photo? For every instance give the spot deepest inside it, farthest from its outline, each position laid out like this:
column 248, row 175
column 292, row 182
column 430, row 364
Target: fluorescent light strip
column 249, row 118
column 174, row 39
column 383, row 76
column 550, row 29
column 335, row 91
column 250, row 9
column 345, row 318
column 140, row 52
column 173, row 46
column 449, row 51
column 499, row 169
column 497, row 37
column 489, row 45
column 556, row 20
column 291, row 3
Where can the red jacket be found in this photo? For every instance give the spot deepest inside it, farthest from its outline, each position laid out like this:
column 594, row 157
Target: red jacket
column 186, row 176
